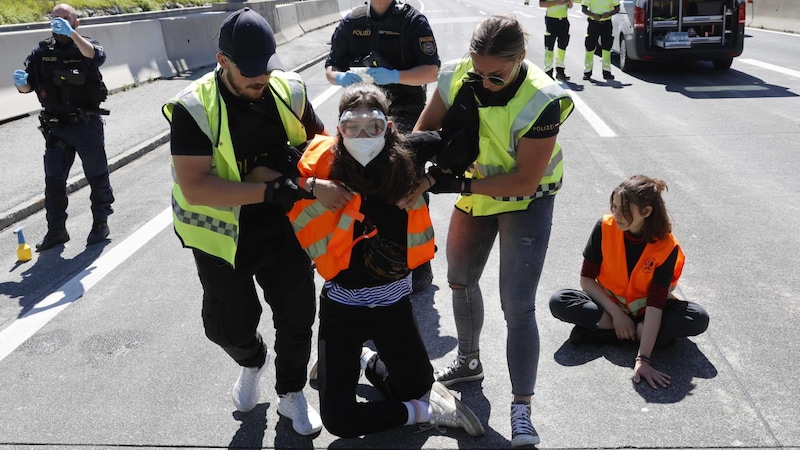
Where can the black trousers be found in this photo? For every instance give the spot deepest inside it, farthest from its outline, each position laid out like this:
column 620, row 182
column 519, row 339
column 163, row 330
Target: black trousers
column 87, row 140
column 680, row 318
column 408, row 373
column 232, row 309
column 557, row 30
column 599, row 30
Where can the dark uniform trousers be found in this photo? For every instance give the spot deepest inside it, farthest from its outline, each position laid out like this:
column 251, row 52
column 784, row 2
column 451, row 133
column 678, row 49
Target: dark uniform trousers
column 232, row 308
column 86, row 138
column 599, row 29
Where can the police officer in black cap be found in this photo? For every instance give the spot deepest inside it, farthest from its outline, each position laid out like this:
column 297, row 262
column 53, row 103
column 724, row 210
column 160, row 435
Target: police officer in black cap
column 64, row 72
column 391, row 44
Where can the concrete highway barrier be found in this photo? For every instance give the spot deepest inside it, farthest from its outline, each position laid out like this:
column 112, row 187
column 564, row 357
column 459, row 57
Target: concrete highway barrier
column 778, row 15
column 151, row 47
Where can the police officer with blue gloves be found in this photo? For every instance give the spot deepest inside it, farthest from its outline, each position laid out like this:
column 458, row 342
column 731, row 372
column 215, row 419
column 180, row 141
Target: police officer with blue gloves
column 395, row 44
column 391, row 44
column 64, row 72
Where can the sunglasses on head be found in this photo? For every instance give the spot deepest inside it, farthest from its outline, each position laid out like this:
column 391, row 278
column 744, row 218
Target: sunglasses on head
column 372, row 121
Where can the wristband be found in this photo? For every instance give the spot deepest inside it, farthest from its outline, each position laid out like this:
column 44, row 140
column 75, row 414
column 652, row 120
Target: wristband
column 643, row 359
column 313, row 185
column 467, row 187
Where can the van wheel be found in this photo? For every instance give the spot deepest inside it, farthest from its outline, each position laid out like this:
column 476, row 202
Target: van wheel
column 722, row 64
column 625, row 62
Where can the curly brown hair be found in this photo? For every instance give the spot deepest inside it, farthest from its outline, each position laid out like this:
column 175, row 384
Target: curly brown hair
column 392, row 174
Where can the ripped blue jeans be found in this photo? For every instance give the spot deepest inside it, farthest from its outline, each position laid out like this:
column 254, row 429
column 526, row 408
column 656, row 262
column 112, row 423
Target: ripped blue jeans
column 524, row 237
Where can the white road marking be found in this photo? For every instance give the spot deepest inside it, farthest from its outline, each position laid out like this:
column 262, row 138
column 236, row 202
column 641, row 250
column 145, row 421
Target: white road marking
column 773, row 67
column 32, row 321
column 594, row 120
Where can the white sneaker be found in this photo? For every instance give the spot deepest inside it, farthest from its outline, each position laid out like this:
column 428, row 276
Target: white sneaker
column 305, row 419
column 448, row 411
column 522, row 431
column 247, row 390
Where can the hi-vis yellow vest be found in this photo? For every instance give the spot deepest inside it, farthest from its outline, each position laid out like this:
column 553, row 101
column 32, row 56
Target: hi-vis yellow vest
column 216, row 230
column 501, row 128
column 631, row 293
column 327, row 236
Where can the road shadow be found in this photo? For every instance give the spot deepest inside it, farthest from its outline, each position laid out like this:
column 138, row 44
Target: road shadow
column 428, row 322
column 49, row 270
column 700, row 80
column 682, row 361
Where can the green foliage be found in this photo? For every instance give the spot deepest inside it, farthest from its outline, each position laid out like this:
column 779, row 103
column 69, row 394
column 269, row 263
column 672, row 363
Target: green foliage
column 28, row 11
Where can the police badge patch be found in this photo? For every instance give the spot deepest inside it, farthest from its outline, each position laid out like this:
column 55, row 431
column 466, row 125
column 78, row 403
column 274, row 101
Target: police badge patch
column 427, row 45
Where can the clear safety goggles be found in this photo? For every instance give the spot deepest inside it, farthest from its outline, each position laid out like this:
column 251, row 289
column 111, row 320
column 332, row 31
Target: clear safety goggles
column 372, row 121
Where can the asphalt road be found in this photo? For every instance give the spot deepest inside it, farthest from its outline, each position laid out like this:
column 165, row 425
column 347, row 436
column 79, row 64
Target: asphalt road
column 103, row 346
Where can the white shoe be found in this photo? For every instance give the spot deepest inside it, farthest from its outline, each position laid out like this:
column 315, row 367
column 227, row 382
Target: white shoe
column 247, row 390
column 448, row 411
column 305, row 419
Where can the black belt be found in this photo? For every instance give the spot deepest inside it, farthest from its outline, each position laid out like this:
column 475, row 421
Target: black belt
column 73, row 118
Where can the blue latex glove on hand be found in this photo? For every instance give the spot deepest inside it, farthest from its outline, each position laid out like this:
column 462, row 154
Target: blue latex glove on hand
column 382, row 75
column 345, row 79
column 20, row 78
column 61, row 26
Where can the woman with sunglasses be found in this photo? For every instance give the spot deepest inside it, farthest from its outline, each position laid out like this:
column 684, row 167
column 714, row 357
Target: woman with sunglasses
column 508, row 191
column 365, row 251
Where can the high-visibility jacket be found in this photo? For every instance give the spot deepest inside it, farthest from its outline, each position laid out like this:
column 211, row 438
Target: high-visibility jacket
column 328, row 237
column 559, row 11
column 501, row 128
column 631, row 292
column 211, row 229
column 601, row 7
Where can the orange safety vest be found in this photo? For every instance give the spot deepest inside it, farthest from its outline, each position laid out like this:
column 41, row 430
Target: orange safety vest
column 631, row 292
column 328, row 237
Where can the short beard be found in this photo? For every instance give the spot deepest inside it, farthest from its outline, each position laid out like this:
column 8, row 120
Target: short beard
column 239, row 91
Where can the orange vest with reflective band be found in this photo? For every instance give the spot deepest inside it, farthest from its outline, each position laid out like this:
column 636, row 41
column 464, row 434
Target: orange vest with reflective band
column 631, row 293
column 328, row 237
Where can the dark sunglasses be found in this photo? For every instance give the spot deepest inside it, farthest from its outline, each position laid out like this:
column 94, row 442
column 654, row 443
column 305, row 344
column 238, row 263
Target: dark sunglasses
column 497, row 81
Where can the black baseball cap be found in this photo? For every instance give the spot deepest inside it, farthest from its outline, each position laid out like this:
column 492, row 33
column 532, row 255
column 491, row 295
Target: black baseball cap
column 246, row 37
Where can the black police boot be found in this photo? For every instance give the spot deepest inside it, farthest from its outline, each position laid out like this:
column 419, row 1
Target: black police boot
column 54, row 236
column 421, row 277
column 587, row 75
column 549, row 73
column 561, row 75
column 98, row 234
column 607, row 75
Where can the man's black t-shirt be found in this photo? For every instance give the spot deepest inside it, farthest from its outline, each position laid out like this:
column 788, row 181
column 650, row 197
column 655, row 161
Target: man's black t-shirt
column 256, row 130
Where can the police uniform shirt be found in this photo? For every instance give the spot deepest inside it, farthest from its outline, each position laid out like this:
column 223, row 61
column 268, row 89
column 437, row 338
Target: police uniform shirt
column 256, row 129
column 402, row 36
column 42, row 65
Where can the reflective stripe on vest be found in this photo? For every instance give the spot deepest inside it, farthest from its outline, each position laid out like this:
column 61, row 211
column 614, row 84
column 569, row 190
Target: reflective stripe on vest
column 501, row 128
column 216, row 230
column 328, row 237
column 631, row 292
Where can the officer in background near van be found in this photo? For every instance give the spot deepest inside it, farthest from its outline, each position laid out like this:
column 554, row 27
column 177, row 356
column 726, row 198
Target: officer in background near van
column 395, row 43
column 599, row 27
column 557, row 29
column 64, row 72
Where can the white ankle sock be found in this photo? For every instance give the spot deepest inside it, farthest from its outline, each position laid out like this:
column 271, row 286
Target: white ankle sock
column 366, row 355
column 418, row 411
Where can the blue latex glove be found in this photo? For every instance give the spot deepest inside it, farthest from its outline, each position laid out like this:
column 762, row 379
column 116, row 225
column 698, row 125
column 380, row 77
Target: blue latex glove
column 61, row 26
column 345, row 79
column 20, row 78
column 382, row 75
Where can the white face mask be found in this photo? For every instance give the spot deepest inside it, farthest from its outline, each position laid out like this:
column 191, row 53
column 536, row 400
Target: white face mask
column 364, row 149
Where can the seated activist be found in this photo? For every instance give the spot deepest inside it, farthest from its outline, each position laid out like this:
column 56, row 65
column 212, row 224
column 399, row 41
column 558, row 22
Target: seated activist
column 632, row 263
column 365, row 250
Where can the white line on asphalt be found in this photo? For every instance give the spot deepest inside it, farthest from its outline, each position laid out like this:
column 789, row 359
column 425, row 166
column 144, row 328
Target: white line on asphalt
column 769, row 66
column 32, row 321
column 594, row 120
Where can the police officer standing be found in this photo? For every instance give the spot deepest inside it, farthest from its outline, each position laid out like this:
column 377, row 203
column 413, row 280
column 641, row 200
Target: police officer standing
column 556, row 22
column 64, row 72
column 395, row 43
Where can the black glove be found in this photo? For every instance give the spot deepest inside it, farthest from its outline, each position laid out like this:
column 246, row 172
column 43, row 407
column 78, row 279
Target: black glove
column 285, row 194
column 425, row 145
column 445, row 182
column 283, row 160
column 460, row 126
